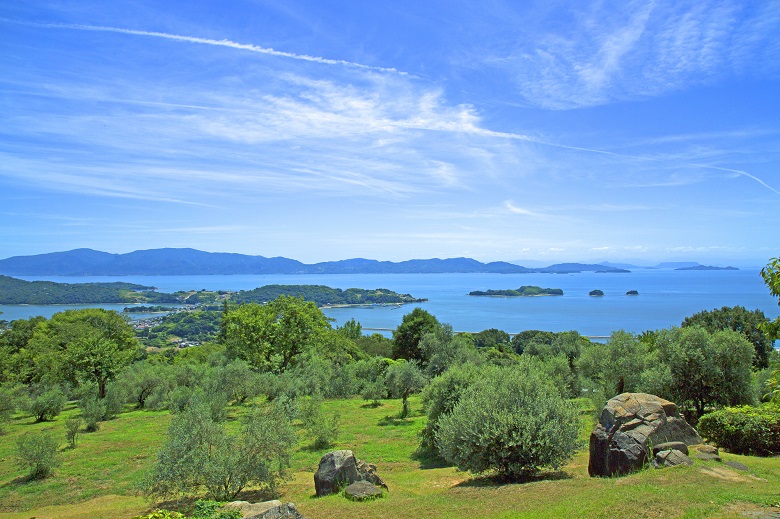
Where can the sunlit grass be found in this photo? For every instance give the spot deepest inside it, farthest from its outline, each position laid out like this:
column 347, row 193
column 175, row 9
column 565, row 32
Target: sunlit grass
column 97, row 478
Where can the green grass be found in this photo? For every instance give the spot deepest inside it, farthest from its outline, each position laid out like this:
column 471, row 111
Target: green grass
column 97, row 478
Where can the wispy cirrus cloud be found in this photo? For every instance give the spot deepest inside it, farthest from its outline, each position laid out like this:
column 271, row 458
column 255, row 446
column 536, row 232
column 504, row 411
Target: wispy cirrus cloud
column 616, row 52
column 207, row 41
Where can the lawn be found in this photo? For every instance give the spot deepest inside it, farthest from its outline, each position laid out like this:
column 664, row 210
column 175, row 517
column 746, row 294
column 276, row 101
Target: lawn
column 97, row 478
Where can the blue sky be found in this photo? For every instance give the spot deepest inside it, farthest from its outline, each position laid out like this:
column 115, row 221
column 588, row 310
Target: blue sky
column 550, row 131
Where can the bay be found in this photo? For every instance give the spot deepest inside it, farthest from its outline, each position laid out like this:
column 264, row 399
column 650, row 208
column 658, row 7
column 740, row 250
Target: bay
column 665, row 297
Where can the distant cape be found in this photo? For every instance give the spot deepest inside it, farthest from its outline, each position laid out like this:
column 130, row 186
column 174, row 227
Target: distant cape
column 180, row 262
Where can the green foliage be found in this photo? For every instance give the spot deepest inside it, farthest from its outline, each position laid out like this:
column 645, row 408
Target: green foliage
column 46, row 403
column 82, row 346
column 523, row 291
column 492, row 338
column 441, row 395
column 514, row 423
column 8, row 403
column 38, row 453
column 199, row 454
column 705, row 369
column 93, row 410
column 443, row 349
column 270, row 337
column 72, row 429
column 771, row 275
column 744, row 429
column 402, row 379
column 162, row 514
column 323, row 429
column 615, row 366
column 737, row 318
column 142, row 379
column 526, row 338
column 208, row 509
column 375, row 345
column 407, row 337
column 351, row 330
column 239, row 381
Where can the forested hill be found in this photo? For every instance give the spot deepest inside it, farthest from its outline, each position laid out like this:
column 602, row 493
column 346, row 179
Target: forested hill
column 324, row 296
column 19, row 292
column 173, row 262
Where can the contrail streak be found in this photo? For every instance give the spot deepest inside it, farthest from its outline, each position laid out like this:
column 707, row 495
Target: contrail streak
column 207, row 41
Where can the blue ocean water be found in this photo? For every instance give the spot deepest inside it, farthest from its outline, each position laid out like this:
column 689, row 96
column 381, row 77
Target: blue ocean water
column 665, row 297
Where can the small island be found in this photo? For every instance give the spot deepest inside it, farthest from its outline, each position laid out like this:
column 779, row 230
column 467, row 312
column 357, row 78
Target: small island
column 706, row 267
column 324, row 296
column 632, row 293
column 523, row 291
column 596, row 293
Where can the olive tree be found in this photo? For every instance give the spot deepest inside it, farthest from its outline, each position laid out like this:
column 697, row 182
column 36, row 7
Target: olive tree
column 200, row 455
column 514, row 423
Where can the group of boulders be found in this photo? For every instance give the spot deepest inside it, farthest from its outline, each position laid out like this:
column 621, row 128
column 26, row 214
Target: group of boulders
column 634, row 430
column 637, row 429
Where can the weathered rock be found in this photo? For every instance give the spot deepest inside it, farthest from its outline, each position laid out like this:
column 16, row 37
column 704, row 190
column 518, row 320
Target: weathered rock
column 338, row 469
column 671, row 458
column 705, row 452
column 362, row 491
column 628, row 425
column 667, row 446
column 252, row 509
column 283, row 511
column 368, row 473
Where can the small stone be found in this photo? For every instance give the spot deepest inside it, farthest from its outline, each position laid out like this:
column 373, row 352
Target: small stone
column 252, row 509
column 671, row 458
column 679, row 446
column 362, row 491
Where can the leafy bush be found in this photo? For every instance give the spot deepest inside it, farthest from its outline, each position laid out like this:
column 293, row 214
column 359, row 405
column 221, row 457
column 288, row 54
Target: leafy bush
column 207, row 509
column 93, row 410
column 514, row 423
column 744, row 429
column 38, row 453
column 8, row 403
column 162, row 514
column 199, row 454
column 443, row 393
column 72, row 426
column 48, row 404
column 322, row 428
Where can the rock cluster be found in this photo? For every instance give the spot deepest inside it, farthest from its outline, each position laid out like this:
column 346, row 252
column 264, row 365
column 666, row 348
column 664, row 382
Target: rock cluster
column 338, row 469
column 630, row 424
column 266, row 510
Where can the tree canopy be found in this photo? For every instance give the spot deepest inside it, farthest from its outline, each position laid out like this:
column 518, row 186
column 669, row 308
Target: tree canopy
column 407, row 337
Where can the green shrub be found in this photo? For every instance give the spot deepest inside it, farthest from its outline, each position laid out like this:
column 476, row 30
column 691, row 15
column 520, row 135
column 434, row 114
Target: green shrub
column 38, row 453
column 48, row 404
column 207, row 509
column 324, row 429
column 8, row 403
column 744, row 429
column 93, row 410
column 514, row 423
column 72, row 427
column 443, row 392
column 162, row 514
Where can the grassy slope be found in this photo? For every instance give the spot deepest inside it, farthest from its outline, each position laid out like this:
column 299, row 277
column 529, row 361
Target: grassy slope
column 96, row 478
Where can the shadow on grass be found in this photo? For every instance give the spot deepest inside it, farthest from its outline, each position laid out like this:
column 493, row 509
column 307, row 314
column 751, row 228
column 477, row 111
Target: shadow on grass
column 371, row 405
column 496, row 481
column 428, row 459
column 21, row 480
column 395, row 420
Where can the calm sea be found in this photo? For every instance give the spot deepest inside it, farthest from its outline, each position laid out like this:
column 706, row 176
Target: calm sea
column 665, row 297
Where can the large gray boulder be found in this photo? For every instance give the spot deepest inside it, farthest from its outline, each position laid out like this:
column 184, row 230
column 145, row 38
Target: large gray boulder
column 338, row 469
column 362, row 491
column 629, row 426
column 266, row 510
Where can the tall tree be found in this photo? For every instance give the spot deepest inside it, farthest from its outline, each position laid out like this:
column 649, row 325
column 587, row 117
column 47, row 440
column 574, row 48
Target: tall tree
column 270, row 337
column 706, row 369
column 88, row 345
column 739, row 319
column 407, row 337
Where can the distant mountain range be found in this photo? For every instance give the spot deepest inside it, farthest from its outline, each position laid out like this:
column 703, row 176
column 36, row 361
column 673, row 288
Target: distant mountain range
column 173, row 262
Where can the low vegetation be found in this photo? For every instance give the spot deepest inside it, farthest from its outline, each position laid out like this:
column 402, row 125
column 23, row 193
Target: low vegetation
column 458, row 425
